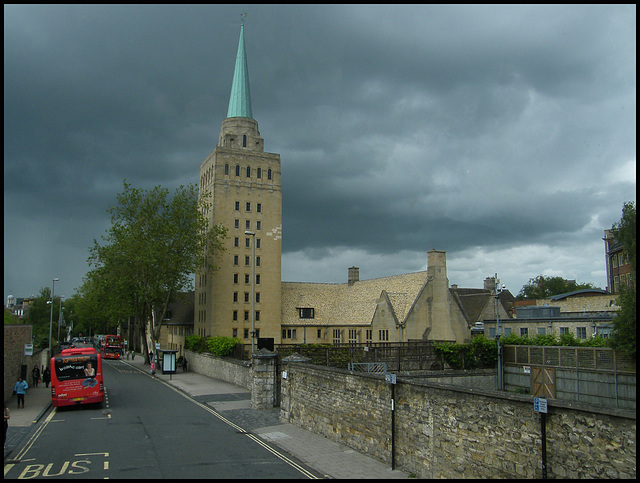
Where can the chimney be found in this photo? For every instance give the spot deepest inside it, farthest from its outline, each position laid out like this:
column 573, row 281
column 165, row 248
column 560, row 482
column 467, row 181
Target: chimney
column 437, row 263
column 490, row 284
column 354, row 275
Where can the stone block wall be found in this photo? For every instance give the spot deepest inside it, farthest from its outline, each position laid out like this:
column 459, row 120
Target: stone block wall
column 444, row 431
column 15, row 337
column 228, row 370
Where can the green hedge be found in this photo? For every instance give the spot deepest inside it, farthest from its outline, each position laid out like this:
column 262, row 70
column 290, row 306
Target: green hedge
column 480, row 353
column 219, row 346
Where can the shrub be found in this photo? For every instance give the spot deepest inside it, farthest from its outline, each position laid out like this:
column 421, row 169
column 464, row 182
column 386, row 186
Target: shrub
column 194, row 343
column 221, row 346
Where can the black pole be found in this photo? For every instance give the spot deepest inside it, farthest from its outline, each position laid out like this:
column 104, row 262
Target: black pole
column 393, row 433
column 543, row 429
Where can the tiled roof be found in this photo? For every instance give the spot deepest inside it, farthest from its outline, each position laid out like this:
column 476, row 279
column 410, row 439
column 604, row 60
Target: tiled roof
column 344, row 304
column 182, row 309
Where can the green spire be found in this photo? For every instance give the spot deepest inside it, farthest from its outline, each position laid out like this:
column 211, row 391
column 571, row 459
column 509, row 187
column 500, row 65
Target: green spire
column 240, row 100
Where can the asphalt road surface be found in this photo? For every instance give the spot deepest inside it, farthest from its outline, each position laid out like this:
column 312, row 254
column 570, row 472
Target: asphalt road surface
column 146, row 429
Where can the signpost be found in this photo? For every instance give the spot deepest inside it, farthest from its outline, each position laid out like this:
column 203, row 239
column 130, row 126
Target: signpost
column 540, row 406
column 391, row 379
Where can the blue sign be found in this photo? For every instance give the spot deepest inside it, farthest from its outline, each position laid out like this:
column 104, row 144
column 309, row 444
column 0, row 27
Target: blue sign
column 540, row 405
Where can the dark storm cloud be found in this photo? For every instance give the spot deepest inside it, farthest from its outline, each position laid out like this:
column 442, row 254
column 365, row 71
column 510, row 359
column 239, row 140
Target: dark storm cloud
column 472, row 129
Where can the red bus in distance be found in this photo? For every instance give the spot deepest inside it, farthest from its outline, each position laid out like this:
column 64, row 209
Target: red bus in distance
column 76, row 377
column 112, row 348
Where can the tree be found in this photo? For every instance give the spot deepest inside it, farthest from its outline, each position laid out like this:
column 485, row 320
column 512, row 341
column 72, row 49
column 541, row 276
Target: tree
column 154, row 245
column 39, row 315
column 624, row 325
column 543, row 287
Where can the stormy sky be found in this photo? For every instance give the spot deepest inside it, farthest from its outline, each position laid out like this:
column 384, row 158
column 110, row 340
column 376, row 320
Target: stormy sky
column 504, row 135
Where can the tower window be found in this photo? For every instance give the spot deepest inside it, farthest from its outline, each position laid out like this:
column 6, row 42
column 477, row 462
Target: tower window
column 248, row 171
column 244, row 140
column 237, row 170
column 269, row 173
column 226, row 169
column 259, row 173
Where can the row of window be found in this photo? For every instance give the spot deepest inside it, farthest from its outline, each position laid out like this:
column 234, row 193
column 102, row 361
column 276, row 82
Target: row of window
column 581, row 332
column 247, row 260
column 247, row 242
column 248, row 172
column 353, row 335
column 206, row 178
column 619, row 259
column 248, row 207
column 247, row 224
column 247, row 297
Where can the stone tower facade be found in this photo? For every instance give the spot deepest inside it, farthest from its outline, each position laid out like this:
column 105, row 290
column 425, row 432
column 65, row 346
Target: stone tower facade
column 246, row 197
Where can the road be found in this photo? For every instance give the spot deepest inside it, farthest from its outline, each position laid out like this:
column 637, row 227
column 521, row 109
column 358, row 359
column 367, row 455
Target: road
column 146, row 429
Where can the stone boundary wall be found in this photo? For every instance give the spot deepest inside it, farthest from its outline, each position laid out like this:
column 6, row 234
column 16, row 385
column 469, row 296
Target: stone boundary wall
column 228, row 370
column 446, row 431
column 15, row 337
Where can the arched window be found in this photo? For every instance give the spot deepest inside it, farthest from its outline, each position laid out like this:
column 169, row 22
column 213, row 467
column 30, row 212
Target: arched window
column 237, row 170
column 244, row 140
column 248, row 171
column 269, row 174
column 259, row 173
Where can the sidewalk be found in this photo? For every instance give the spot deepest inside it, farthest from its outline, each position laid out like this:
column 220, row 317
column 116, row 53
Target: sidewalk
column 334, row 460
column 36, row 402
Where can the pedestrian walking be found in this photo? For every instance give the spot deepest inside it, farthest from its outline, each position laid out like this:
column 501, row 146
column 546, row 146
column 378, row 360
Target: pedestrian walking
column 46, row 376
column 20, row 389
column 36, row 375
column 7, row 416
column 153, row 369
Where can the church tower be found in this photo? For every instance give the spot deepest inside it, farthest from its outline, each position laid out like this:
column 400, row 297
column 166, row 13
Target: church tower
column 245, row 185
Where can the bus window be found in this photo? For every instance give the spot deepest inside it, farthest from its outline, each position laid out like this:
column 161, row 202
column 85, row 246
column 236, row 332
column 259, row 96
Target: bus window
column 76, row 377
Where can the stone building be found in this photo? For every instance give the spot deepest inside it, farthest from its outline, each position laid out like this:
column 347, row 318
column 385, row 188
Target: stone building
column 401, row 308
column 583, row 313
column 618, row 266
column 178, row 324
column 246, row 197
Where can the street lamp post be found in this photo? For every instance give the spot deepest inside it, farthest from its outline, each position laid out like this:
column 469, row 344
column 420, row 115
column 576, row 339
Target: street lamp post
column 60, row 318
column 53, row 288
column 253, row 289
column 499, row 289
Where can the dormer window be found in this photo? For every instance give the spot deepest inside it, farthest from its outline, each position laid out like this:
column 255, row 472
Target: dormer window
column 306, row 313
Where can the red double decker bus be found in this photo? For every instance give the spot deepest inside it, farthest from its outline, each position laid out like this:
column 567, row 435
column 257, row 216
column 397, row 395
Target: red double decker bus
column 112, row 348
column 76, row 377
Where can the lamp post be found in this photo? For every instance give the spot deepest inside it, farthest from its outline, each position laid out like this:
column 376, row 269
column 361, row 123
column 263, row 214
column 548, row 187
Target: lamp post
column 53, row 288
column 499, row 289
column 253, row 289
column 60, row 318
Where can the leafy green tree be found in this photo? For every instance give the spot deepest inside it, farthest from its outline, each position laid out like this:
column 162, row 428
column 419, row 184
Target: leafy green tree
column 39, row 315
column 543, row 287
column 154, row 245
column 624, row 332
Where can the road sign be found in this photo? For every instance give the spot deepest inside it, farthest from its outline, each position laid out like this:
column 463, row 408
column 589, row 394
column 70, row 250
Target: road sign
column 540, row 405
column 390, row 378
column 28, row 349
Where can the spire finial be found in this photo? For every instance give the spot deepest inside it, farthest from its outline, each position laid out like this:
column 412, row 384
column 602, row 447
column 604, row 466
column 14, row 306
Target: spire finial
column 240, row 100
column 243, row 15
